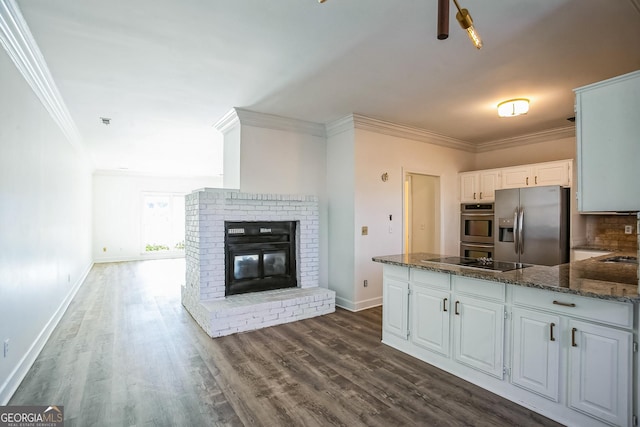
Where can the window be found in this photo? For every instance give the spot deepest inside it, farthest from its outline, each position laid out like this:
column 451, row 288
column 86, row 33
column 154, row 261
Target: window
column 162, row 222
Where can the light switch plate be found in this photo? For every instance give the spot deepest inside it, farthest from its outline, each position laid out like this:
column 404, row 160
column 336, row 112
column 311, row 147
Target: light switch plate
column 365, row 230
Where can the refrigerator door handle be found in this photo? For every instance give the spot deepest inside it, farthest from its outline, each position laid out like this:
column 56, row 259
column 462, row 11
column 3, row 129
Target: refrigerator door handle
column 520, row 231
column 516, row 241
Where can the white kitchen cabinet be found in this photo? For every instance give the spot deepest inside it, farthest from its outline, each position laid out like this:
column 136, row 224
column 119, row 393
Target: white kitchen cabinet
column 553, row 173
column 478, row 330
column 516, row 177
column 607, row 129
column 395, row 294
column 538, row 174
column 479, row 186
column 600, row 372
column 535, row 357
column 430, row 318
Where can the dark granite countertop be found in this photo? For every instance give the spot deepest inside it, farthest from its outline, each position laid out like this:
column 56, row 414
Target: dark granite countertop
column 590, row 277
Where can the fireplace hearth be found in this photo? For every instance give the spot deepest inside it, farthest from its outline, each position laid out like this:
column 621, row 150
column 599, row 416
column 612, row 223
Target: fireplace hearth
column 260, row 256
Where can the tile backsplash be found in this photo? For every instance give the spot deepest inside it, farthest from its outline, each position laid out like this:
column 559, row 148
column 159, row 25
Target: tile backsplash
column 607, row 231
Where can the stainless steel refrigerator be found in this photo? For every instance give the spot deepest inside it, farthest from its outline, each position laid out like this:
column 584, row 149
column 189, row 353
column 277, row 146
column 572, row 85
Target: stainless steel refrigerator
column 532, row 225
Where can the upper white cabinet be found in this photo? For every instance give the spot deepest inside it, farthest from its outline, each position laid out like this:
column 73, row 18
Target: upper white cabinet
column 536, row 175
column 607, row 129
column 479, row 186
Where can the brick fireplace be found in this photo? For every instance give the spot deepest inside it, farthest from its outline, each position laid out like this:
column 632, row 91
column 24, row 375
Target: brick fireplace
column 203, row 295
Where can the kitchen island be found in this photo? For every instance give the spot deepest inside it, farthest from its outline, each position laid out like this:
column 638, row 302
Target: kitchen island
column 559, row 340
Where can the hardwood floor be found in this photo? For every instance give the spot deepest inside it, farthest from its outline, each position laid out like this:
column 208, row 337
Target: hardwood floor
column 127, row 353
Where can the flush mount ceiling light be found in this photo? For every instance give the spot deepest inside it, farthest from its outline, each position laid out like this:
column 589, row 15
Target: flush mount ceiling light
column 513, row 107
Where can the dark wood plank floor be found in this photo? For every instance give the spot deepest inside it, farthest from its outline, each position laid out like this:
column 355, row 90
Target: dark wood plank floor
column 127, row 353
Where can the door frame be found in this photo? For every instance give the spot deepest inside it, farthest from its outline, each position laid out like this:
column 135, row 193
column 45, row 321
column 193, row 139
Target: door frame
column 406, row 209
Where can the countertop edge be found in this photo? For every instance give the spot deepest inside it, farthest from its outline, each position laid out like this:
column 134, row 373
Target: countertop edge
column 461, row 271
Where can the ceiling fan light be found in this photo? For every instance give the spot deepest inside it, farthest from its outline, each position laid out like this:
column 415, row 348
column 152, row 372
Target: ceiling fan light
column 513, row 107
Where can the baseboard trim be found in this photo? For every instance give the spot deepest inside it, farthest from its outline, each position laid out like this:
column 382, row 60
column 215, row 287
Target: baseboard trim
column 17, row 375
column 359, row 305
column 145, row 257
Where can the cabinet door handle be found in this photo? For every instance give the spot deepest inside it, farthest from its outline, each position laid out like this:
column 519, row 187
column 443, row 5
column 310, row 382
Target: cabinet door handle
column 527, row 180
column 551, row 326
column 481, row 195
column 535, row 179
column 564, row 304
column 456, row 308
column 474, row 196
column 573, row 337
column 444, row 305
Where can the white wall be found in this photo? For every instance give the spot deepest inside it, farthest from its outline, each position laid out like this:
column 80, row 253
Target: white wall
column 45, row 225
column 278, row 161
column 117, row 202
column 341, row 194
column 375, row 200
column 559, row 149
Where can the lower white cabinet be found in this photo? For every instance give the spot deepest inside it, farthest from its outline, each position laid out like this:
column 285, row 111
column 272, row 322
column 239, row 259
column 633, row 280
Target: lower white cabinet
column 569, row 357
column 535, row 356
column 479, row 332
column 395, row 310
column 430, row 318
column 600, row 372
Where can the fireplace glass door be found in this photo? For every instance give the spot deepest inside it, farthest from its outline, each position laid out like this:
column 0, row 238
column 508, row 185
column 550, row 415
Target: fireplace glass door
column 260, row 256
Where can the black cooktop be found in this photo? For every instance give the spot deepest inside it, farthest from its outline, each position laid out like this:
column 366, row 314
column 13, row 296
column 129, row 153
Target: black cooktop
column 480, row 263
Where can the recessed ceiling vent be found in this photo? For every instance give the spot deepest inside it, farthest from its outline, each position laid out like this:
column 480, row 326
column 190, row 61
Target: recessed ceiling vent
column 105, row 120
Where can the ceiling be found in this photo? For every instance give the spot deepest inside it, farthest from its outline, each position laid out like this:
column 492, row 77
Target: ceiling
column 165, row 71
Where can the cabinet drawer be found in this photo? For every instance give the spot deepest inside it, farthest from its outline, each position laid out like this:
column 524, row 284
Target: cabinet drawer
column 396, row 272
column 479, row 287
column 611, row 312
column 430, row 278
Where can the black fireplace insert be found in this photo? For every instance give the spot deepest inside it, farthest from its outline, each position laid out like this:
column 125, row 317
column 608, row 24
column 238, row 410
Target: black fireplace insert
column 259, row 256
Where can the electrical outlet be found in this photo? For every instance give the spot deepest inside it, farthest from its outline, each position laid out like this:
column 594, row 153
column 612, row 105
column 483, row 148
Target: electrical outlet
column 6, row 347
column 366, row 283
column 628, row 229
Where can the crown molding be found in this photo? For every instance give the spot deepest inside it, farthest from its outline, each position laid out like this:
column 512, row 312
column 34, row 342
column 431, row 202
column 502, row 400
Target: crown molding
column 338, row 126
column 268, row 121
column 17, row 40
column 532, row 138
column 358, row 121
column 410, row 132
column 227, row 122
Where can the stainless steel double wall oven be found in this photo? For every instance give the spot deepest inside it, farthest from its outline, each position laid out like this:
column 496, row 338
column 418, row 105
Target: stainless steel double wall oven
column 476, row 230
